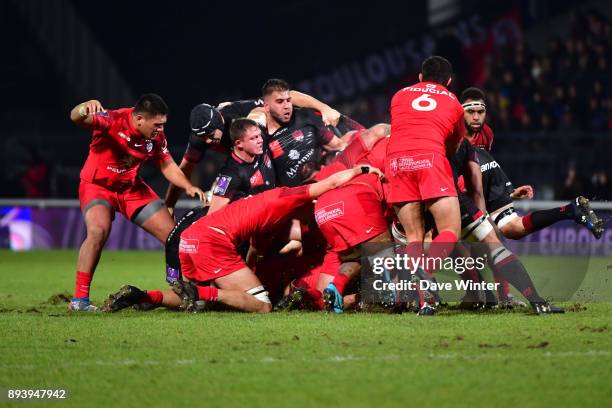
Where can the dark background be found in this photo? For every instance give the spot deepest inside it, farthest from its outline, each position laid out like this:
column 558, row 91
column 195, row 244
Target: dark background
column 549, row 105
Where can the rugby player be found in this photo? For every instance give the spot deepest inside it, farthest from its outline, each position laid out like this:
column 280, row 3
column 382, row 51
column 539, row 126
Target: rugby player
column 295, row 137
column 122, row 140
column 248, row 170
column 498, row 189
column 500, row 192
column 208, row 248
column 209, row 128
column 426, row 121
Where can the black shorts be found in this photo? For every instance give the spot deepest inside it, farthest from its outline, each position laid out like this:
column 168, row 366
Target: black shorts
column 496, row 185
column 173, row 265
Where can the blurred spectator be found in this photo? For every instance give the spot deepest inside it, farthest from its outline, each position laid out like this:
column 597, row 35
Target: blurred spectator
column 568, row 88
column 572, row 186
column 600, row 190
column 35, row 179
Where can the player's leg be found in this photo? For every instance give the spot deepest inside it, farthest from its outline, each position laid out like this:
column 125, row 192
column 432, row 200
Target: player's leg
column 505, row 264
column 240, row 290
column 155, row 219
column 98, row 220
column 130, row 295
column 578, row 210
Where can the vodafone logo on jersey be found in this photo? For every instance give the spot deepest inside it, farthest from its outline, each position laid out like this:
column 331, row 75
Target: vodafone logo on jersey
column 189, row 246
column 329, row 212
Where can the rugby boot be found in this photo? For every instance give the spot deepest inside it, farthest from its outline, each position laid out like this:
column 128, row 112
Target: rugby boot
column 585, row 216
column 427, row 310
column 81, row 305
column 188, row 293
column 546, row 308
column 127, row 296
column 333, row 300
column 292, row 301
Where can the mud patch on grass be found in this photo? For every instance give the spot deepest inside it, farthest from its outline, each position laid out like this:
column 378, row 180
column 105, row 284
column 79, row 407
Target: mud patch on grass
column 59, row 298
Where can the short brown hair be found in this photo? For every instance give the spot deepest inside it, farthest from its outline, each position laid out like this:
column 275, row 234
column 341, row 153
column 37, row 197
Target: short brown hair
column 239, row 127
column 274, row 84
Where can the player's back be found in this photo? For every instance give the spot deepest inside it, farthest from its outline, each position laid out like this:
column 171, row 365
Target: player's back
column 258, row 213
column 424, row 117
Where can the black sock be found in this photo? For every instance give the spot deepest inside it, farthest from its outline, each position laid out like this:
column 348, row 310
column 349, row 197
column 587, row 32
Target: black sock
column 538, row 220
column 506, row 265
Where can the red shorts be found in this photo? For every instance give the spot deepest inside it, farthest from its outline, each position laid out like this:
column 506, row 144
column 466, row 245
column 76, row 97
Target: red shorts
column 126, row 202
column 349, row 216
column 418, row 176
column 207, row 254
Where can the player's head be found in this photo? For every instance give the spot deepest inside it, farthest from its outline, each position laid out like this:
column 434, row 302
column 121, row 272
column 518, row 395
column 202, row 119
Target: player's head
column 436, row 69
column 246, row 136
column 474, row 108
column 150, row 115
column 206, row 123
column 277, row 101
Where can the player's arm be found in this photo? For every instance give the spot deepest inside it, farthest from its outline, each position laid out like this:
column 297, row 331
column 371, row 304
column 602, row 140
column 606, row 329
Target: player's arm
column 330, row 116
column 217, row 203
column 83, row 114
column 340, row 178
column 174, row 192
column 335, row 144
column 175, row 175
column 473, row 183
column 227, row 187
column 295, row 239
column 522, row 192
column 258, row 114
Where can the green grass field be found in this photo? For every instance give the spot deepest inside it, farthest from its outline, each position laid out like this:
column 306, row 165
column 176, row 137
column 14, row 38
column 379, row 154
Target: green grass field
column 165, row 358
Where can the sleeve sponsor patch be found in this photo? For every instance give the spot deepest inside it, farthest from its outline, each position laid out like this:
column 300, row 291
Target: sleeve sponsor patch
column 221, row 185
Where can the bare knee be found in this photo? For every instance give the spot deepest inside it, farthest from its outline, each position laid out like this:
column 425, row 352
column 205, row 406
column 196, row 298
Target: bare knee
column 98, row 233
column 514, row 229
column 264, row 307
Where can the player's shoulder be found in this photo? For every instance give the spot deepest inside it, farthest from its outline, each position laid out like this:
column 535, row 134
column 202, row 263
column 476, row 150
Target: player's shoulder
column 486, row 129
column 239, row 108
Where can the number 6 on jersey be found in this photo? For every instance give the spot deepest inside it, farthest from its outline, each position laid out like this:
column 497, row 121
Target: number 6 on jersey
column 424, row 103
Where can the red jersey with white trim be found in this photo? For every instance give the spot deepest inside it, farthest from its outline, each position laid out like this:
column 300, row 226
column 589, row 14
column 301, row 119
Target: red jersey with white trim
column 482, row 139
column 426, row 117
column 257, row 214
column 117, row 150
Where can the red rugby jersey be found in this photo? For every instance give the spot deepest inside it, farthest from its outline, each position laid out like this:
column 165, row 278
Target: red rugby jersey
column 257, row 214
column 424, row 116
column 117, row 150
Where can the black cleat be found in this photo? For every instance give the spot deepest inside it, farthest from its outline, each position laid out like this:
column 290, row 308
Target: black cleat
column 585, row 216
column 188, row 293
column 427, row 310
column 546, row 308
column 145, row 306
column 127, row 296
column 293, row 301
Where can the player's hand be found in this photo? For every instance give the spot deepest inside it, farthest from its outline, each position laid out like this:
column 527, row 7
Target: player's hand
column 523, row 192
column 90, row 108
column 330, row 116
column 371, row 170
column 194, row 191
column 292, row 245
